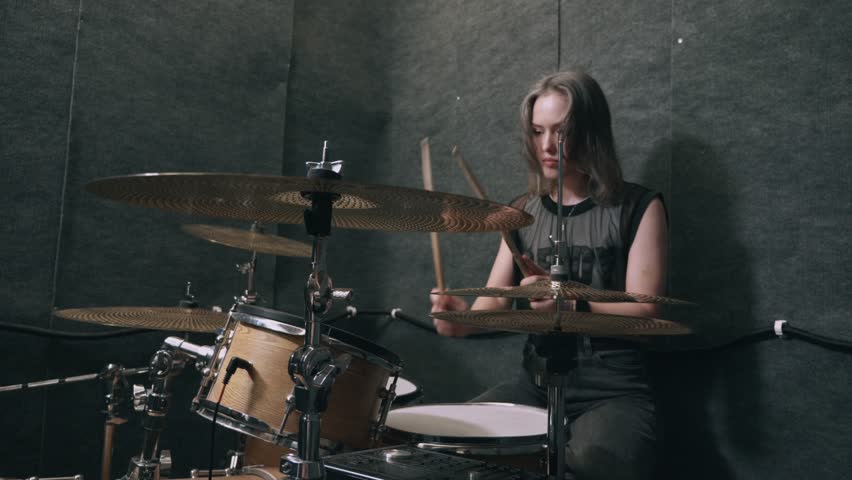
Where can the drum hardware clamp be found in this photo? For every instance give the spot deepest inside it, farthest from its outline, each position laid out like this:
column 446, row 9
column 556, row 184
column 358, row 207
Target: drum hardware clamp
column 165, row 365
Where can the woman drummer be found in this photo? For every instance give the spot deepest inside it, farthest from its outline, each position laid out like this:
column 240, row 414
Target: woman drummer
column 616, row 239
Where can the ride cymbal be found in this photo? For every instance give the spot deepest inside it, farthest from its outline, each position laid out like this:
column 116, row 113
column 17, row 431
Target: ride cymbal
column 249, row 240
column 276, row 199
column 567, row 290
column 587, row 323
column 149, row 318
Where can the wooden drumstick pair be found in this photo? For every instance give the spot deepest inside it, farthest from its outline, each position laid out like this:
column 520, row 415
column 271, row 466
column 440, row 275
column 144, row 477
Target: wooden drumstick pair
column 426, row 160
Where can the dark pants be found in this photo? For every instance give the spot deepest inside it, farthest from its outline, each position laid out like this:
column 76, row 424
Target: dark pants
column 610, row 410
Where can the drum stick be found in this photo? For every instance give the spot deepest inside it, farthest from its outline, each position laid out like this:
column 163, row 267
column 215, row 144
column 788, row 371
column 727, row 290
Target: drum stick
column 426, row 160
column 471, row 179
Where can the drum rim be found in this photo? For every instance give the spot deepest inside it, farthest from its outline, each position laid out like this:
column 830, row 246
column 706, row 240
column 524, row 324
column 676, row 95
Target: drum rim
column 249, row 425
column 472, row 444
column 262, row 317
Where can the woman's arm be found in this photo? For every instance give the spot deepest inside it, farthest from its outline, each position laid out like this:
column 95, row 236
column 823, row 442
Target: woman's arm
column 647, row 263
column 501, row 276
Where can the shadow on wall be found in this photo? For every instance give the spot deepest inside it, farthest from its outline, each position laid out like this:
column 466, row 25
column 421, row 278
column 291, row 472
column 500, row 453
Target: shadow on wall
column 701, row 380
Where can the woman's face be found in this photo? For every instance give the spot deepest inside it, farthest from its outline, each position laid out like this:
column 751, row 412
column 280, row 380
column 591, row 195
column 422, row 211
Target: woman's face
column 548, row 114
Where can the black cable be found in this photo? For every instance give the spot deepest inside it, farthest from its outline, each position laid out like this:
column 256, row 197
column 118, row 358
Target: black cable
column 832, row 343
column 425, row 326
column 397, row 313
column 233, row 365
column 51, row 333
column 759, row 334
column 767, row 333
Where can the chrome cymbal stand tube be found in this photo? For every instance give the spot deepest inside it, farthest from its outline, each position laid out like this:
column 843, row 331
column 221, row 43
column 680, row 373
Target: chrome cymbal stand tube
column 250, row 296
column 556, row 370
column 312, row 366
column 118, row 406
column 166, row 364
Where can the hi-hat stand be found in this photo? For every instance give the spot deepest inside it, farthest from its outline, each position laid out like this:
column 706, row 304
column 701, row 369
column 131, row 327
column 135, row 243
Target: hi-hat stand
column 558, row 366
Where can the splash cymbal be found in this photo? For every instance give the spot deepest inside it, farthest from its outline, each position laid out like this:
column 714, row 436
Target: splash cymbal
column 249, row 240
column 277, row 199
column 588, row 323
column 567, row 290
column 149, row 318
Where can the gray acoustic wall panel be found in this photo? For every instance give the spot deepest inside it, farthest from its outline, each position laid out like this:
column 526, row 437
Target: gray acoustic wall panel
column 458, row 72
column 423, row 69
column 37, row 51
column 338, row 94
column 626, row 47
column 158, row 87
column 760, row 211
column 736, row 111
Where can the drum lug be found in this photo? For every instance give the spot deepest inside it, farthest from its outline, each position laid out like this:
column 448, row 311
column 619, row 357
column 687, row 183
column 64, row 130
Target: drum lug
column 377, row 430
column 377, row 427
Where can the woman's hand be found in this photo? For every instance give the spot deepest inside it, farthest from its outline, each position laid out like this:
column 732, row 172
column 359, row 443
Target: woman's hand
column 449, row 303
column 537, row 274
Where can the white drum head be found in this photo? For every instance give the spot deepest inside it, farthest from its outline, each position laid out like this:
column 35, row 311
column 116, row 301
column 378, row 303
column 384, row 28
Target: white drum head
column 469, row 420
column 403, row 386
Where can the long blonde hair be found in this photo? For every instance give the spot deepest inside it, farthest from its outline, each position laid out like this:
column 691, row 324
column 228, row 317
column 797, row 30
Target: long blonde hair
column 587, row 131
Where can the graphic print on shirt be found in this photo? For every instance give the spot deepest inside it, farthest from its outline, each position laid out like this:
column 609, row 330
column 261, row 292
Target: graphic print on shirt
column 582, row 262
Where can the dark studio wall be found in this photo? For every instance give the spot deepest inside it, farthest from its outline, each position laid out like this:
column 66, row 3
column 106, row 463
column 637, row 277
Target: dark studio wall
column 91, row 89
column 736, row 111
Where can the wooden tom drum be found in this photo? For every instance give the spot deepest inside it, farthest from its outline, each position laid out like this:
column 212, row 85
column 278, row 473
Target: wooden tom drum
column 255, row 402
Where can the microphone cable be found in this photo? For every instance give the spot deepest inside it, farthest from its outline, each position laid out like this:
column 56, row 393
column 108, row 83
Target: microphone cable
column 397, row 314
column 233, row 365
column 779, row 329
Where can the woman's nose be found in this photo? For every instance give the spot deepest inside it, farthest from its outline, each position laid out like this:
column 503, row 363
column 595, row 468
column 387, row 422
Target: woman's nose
column 548, row 141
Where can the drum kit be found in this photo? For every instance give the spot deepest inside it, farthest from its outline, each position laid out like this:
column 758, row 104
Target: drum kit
column 270, row 375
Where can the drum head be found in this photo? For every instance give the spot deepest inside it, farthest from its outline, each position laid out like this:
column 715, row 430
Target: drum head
column 486, row 428
column 403, row 387
column 407, row 392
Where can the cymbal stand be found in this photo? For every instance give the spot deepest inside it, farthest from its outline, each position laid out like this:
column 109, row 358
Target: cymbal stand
column 166, row 364
column 118, row 405
column 312, row 366
column 250, row 296
column 114, row 378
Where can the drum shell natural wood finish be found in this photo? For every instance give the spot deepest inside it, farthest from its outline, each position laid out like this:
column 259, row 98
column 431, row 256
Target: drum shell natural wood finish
column 261, row 393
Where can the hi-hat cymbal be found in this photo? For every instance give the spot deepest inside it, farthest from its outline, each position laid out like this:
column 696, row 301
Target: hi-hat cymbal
column 276, row 199
column 588, row 323
column 566, row 290
column 151, row 318
column 249, row 240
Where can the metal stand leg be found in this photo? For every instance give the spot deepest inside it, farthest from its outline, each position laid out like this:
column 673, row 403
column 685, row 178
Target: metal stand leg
column 556, row 438
column 165, row 365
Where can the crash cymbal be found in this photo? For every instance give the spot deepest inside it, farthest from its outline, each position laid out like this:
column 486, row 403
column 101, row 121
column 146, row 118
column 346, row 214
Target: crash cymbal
column 588, row 323
column 249, row 240
column 567, row 290
column 276, row 199
column 152, row 318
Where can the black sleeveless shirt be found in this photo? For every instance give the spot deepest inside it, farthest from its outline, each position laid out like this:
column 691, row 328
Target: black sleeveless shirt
column 598, row 241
